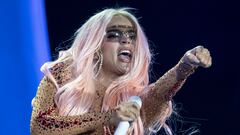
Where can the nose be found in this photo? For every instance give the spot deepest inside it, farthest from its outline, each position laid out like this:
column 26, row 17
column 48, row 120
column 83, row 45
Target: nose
column 125, row 40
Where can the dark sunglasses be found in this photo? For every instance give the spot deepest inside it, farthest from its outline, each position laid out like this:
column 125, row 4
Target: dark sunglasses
column 117, row 35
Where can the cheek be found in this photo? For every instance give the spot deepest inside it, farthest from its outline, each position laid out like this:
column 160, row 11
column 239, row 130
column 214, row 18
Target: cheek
column 109, row 49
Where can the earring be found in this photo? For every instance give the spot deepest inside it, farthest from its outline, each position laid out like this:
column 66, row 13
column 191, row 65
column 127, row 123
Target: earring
column 99, row 62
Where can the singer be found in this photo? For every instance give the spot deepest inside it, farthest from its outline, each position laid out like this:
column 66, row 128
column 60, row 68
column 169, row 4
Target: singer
column 86, row 90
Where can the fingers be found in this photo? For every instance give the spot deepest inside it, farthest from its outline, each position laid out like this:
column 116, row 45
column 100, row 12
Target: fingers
column 192, row 58
column 125, row 116
column 197, row 49
column 198, row 56
column 209, row 62
column 128, row 111
column 204, row 57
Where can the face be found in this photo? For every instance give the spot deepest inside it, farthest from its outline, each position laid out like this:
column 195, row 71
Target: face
column 118, row 46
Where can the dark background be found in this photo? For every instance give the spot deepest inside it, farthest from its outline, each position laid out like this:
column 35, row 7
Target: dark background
column 209, row 100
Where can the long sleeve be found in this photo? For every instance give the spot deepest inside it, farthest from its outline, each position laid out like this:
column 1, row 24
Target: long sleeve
column 157, row 96
column 46, row 120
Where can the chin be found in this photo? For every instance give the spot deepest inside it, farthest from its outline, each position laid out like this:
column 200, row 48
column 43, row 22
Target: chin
column 123, row 71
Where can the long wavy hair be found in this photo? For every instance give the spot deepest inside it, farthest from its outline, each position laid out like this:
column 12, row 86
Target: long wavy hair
column 76, row 97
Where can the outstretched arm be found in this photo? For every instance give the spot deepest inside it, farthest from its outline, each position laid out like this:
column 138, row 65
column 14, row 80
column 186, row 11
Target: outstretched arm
column 156, row 97
column 46, row 120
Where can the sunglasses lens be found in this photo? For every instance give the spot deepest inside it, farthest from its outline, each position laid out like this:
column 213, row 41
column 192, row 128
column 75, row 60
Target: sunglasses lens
column 117, row 35
column 113, row 36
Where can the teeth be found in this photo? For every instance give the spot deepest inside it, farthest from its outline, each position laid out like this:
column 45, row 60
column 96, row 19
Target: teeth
column 125, row 55
column 125, row 52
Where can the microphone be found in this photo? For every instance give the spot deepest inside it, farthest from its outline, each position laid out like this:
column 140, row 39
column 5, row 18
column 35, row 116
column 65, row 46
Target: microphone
column 124, row 125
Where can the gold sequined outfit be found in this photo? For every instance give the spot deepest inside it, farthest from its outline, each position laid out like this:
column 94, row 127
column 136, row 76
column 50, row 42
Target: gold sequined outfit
column 47, row 121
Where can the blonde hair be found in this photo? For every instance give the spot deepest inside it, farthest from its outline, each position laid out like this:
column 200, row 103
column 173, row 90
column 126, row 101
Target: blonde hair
column 76, row 97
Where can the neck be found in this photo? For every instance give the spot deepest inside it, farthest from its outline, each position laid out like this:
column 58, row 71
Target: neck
column 106, row 78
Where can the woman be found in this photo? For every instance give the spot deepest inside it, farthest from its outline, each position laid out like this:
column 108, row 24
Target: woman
column 86, row 90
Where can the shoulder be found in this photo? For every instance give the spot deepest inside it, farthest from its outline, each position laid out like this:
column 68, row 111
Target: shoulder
column 61, row 72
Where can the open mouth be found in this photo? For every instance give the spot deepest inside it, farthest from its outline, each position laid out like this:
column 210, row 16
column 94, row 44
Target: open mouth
column 125, row 56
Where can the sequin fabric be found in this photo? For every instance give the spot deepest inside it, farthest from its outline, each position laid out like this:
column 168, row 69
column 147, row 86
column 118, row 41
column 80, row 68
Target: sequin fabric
column 46, row 120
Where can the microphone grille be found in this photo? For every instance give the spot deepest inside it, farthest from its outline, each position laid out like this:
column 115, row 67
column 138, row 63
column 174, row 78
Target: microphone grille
column 136, row 99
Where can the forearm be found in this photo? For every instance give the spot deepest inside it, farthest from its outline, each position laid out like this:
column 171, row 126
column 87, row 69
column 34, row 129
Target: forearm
column 48, row 122
column 156, row 98
column 173, row 80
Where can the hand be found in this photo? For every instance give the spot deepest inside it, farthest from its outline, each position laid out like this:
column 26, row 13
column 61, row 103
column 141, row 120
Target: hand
column 126, row 111
column 198, row 56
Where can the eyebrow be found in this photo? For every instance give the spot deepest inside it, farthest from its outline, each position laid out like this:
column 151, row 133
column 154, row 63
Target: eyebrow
column 116, row 30
column 120, row 26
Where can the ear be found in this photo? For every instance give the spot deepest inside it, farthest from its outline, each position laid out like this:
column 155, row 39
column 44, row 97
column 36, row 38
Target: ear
column 96, row 56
